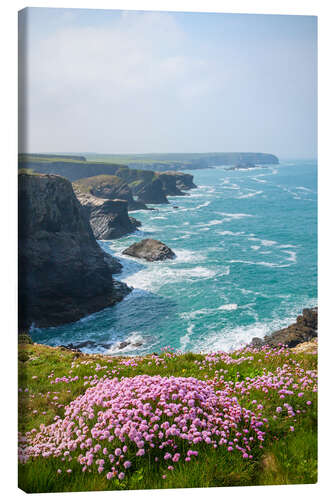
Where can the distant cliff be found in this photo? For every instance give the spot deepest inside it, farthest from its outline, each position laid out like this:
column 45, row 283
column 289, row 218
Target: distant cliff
column 174, row 182
column 63, row 273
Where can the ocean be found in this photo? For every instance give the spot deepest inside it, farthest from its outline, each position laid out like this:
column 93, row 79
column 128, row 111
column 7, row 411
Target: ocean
column 246, row 246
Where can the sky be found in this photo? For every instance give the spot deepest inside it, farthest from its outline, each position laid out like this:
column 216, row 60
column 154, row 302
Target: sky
column 110, row 81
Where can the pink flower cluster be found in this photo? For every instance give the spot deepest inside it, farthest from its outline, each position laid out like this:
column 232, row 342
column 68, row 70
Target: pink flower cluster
column 145, row 417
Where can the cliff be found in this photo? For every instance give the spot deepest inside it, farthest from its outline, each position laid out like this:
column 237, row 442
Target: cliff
column 108, row 218
column 63, row 273
column 109, row 187
column 161, row 162
column 174, row 182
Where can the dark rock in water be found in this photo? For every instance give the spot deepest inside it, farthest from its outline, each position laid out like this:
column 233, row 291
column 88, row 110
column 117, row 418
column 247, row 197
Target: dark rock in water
column 63, row 273
column 150, row 250
column 122, row 345
column 303, row 330
column 91, row 344
column 108, row 218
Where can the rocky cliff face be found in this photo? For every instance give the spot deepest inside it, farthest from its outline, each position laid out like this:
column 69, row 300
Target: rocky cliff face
column 109, row 187
column 150, row 192
column 63, row 273
column 169, row 185
column 108, row 218
column 174, row 182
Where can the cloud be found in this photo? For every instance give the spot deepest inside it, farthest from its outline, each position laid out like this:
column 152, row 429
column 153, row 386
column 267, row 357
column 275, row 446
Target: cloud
column 148, row 81
column 107, row 75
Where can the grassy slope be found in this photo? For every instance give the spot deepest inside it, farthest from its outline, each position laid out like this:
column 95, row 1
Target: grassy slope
column 286, row 458
column 88, row 183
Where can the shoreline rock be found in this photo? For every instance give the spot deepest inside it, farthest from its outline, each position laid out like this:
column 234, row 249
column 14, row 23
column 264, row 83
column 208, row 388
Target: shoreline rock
column 304, row 330
column 150, row 250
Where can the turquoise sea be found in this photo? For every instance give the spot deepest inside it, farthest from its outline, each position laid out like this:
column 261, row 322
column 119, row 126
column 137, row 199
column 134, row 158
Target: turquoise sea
column 246, row 246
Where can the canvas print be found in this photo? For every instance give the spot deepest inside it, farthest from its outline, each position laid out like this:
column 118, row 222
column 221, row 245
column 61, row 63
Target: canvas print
column 167, row 195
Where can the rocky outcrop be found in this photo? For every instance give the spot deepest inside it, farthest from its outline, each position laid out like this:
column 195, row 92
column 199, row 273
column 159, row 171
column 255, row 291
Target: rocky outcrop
column 169, row 184
column 150, row 250
column 108, row 218
column 63, row 273
column 151, row 192
column 109, row 187
column 303, row 330
column 183, row 181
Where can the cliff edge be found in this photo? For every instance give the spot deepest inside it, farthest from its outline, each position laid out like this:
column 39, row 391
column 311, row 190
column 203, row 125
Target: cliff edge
column 63, row 273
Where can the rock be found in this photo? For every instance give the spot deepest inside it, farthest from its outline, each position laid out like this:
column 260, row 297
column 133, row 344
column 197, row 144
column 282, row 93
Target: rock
column 63, row 273
column 181, row 180
column 108, row 218
column 109, row 187
column 151, row 192
column 150, row 250
column 304, row 330
column 122, row 345
column 169, row 184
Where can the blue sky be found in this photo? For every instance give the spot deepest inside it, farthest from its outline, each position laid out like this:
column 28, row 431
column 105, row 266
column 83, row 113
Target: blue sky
column 126, row 82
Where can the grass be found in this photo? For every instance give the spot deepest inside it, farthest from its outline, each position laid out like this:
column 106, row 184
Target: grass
column 87, row 184
column 286, row 457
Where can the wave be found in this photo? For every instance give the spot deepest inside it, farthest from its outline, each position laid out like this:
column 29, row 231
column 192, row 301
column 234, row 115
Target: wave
column 134, row 342
column 265, row 243
column 302, row 188
column 261, row 263
column 208, row 311
column 231, row 338
column 228, row 307
column 158, row 275
column 185, row 339
column 250, row 195
column 292, row 255
column 231, row 233
column 235, row 216
column 262, row 181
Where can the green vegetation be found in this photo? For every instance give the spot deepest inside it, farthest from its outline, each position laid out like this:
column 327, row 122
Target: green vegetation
column 50, row 378
column 87, row 184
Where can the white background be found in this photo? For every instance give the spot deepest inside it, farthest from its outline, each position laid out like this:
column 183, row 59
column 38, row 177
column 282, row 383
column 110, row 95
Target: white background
column 8, row 261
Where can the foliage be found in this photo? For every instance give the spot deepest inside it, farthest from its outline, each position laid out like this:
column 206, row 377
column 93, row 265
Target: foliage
column 184, row 404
